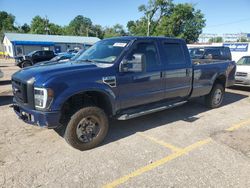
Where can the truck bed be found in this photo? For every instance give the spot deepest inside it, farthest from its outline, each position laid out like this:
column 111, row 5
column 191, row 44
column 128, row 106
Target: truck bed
column 204, row 75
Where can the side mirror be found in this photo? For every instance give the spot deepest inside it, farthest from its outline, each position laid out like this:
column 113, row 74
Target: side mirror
column 136, row 64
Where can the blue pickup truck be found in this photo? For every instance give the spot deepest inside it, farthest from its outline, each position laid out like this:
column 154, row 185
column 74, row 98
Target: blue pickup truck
column 120, row 78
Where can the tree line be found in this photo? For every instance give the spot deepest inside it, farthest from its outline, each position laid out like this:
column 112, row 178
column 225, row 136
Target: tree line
column 159, row 18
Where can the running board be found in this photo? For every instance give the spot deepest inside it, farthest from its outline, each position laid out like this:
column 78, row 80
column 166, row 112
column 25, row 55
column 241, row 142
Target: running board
column 141, row 113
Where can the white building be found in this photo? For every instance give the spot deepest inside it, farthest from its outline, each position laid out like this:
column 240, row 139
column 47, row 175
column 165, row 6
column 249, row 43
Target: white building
column 226, row 37
column 20, row 44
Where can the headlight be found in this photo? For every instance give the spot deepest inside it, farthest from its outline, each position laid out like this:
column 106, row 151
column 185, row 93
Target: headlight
column 43, row 97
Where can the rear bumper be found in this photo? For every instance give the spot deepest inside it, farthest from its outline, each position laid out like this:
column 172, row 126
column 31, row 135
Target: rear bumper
column 43, row 119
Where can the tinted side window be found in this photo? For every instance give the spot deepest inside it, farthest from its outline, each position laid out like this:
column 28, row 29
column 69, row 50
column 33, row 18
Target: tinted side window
column 39, row 53
column 174, row 53
column 247, row 61
column 228, row 53
column 48, row 53
column 150, row 52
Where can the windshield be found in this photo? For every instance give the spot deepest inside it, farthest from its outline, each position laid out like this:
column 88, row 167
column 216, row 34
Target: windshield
column 31, row 53
column 105, row 51
column 244, row 61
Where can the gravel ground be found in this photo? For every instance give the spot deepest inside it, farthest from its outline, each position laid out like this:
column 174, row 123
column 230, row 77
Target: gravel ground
column 189, row 146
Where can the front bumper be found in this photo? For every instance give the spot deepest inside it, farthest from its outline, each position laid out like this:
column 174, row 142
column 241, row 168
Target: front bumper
column 242, row 80
column 1, row 74
column 43, row 119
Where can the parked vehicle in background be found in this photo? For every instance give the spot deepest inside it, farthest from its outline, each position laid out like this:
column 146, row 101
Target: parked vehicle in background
column 62, row 56
column 242, row 76
column 1, row 74
column 238, row 49
column 78, row 54
column 72, row 51
column 34, row 57
column 205, row 54
column 120, row 78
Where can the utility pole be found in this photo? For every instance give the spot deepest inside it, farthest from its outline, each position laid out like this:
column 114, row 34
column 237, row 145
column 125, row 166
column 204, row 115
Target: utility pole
column 148, row 30
column 46, row 25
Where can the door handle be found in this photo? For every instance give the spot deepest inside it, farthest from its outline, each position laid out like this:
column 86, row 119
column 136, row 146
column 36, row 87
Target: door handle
column 188, row 72
column 161, row 74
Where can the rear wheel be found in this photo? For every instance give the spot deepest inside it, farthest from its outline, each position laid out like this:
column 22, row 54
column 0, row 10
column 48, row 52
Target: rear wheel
column 87, row 128
column 215, row 98
column 26, row 64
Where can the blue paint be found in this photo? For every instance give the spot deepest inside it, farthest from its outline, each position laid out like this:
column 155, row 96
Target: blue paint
column 166, row 81
column 33, row 43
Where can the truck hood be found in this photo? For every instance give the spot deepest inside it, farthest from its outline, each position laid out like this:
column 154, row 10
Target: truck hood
column 50, row 69
column 243, row 68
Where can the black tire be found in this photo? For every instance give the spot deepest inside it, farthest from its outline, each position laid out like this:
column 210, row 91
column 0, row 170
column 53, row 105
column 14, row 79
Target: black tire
column 26, row 64
column 84, row 116
column 215, row 98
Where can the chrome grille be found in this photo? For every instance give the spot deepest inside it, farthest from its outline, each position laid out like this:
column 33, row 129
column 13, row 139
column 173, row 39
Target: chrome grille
column 19, row 91
column 241, row 74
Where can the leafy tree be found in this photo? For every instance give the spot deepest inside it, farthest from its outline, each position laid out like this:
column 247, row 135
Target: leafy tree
column 242, row 39
column 138, row 27
column 115, row 31
column 154, row 11
column 6, row 23
column 216, row 39
column 25, row 28
column 41, row 25
column 79, row 26
column 184, row 22
column 38, row 25
column 97, row 31
column 55, row 29
column 168, row 19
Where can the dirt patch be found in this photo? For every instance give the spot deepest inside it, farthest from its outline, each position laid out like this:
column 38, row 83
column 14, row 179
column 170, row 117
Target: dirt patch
column 238, row 140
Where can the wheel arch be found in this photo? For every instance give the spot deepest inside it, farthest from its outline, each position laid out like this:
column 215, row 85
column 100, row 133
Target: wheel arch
column 95, row 97
column 221, row 79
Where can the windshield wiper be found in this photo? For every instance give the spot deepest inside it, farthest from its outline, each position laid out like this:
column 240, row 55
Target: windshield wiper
column 87, row 60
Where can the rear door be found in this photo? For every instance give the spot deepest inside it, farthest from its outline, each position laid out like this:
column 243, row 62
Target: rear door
column 178, row 69
column 139, row 88
column 47, row 55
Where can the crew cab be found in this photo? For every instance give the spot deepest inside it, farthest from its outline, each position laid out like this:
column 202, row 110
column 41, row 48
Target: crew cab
column 120, row 78
column 33, row 58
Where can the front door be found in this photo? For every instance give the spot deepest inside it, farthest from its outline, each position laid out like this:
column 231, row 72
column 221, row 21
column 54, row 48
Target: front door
column 143, row 87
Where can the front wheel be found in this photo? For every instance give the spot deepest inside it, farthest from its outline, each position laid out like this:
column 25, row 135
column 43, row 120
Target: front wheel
column 26, row 64
column 215, row 97
column 87, row 128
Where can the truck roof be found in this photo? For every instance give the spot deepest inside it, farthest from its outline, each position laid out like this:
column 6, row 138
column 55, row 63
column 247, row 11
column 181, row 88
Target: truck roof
column 147, row 38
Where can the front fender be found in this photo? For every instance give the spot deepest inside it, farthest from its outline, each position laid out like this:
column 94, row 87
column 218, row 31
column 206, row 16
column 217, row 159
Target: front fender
column 68, row 92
